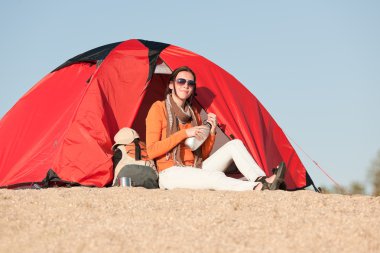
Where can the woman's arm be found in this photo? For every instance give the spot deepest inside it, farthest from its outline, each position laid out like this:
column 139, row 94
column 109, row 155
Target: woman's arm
column 207, row 146
column 156, row 146
column 209, row 142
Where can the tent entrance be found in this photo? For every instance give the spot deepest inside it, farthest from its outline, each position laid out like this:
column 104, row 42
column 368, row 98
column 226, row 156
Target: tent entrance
column 156, row 91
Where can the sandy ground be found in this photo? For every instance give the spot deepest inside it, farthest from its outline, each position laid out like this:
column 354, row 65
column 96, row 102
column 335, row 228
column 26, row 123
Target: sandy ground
column 138, row 220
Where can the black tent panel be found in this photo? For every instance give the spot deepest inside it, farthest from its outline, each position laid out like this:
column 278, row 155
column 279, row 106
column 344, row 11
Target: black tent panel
column 155, row 48
column 92, row 55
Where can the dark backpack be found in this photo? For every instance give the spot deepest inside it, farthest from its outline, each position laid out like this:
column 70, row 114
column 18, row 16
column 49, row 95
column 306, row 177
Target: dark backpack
column 131, row 160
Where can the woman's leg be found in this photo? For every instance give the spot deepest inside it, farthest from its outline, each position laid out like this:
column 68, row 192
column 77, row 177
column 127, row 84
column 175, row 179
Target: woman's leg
column 234, row 151
column 194, row 178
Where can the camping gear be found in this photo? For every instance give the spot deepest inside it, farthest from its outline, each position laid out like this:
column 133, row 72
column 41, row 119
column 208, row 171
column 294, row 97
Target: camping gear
column 65, row 123
column 125, row 136
column 125, row 182
column 140, row 175
column 131, row 160
column 194, row 143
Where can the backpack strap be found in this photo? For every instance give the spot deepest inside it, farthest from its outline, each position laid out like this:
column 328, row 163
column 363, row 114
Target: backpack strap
column 120, row 160
column 137, row 149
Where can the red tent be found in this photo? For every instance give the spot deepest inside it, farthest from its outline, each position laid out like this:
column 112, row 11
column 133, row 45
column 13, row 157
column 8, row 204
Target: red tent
column 62, row 129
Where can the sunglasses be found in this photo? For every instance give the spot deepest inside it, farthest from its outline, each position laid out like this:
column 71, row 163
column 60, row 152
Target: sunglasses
column 182, row 81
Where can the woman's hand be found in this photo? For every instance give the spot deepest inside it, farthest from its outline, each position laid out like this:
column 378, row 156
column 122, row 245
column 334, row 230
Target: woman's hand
column 211, row 118
column 197, row 131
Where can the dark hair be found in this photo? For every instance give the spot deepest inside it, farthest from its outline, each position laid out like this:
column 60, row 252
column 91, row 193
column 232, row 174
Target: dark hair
column 173, row 77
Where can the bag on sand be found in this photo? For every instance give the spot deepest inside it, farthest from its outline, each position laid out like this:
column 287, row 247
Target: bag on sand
column 130, row 159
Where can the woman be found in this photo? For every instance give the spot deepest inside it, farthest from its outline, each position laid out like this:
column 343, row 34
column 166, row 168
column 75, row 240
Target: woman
column 170, row 122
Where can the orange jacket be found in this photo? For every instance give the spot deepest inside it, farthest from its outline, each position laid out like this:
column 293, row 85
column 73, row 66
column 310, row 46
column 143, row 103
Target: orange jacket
column 158, row 145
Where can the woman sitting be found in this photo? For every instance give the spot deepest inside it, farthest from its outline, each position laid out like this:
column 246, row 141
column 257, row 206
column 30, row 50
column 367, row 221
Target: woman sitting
column 170, row 122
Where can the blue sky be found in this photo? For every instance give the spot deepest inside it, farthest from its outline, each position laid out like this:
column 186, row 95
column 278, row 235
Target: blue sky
column 315, row 65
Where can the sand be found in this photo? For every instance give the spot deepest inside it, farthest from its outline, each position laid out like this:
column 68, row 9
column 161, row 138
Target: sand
column 117, row 219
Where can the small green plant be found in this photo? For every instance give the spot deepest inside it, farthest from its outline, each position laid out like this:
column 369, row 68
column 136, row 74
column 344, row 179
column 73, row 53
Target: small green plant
column 374, row 175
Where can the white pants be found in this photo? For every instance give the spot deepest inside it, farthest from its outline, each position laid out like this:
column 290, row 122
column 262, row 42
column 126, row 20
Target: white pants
column 211, row 175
